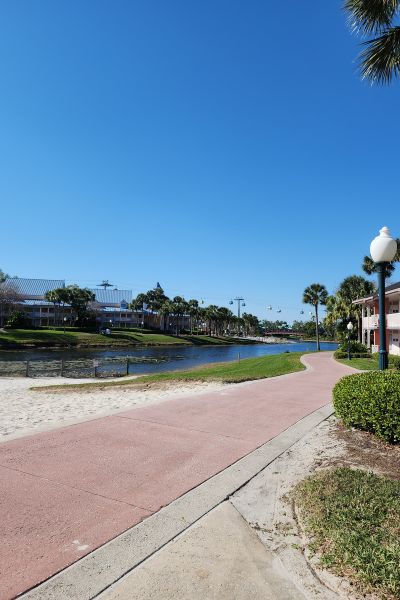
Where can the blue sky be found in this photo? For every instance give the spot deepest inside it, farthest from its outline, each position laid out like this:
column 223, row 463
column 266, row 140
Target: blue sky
column 220, row 147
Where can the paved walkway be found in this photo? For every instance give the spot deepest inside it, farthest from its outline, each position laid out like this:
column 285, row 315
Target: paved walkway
column 66, row 492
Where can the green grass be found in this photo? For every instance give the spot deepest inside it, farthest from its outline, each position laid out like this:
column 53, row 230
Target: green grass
column 363, row 364
column 232, row 372
column 47, row 338
column 354, row 520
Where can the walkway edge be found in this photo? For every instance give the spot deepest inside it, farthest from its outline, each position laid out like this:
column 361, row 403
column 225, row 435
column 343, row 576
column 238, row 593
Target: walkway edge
column 93, row 574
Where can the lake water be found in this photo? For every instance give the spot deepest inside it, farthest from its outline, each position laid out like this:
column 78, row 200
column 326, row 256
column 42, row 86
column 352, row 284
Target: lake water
column 145, row 360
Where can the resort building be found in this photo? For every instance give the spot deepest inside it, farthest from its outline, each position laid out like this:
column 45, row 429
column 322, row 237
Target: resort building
column 111, row 306
column 370, row 319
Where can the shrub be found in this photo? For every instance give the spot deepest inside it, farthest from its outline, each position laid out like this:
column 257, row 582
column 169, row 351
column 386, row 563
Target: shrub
column 394, row 362
column 17, row 319
column 355, row 347
column 370, row 401
column 343, row 354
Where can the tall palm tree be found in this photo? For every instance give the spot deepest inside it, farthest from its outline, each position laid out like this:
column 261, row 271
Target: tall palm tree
column 315, row 294
column 380, row 60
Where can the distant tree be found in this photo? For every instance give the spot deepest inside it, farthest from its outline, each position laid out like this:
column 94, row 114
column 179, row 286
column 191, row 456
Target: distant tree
column 155, row 298
column 274, row 325
column 380, row 60
column 194, row 311
column 3, row 276
column 340, row 308
column 17, row 320
column 251, row 324
column 58, row 297
column 77, row 298
column 316, row 295
column 9, row 300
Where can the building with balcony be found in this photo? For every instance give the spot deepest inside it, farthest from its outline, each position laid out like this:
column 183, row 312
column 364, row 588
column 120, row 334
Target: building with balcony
column 370, row 319
column 111, row 306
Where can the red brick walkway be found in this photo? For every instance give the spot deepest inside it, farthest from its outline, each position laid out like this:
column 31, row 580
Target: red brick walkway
column 68, row 491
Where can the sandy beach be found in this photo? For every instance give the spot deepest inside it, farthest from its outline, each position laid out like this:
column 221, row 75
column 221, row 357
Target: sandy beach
column 23, row 411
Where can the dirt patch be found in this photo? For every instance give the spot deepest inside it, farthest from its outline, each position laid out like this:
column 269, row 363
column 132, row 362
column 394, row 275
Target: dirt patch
column 364, row 451
column 268, row 506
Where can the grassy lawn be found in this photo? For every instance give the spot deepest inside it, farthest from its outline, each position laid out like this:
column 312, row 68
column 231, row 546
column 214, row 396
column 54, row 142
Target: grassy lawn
column 363, row 364
column 47, row 338
column 354, row 520
column 231, row 372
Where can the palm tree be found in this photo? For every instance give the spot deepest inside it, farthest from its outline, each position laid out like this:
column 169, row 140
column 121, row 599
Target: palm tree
column 315, row 294
column 380, row 60
column 369, row 267
column 193, row 311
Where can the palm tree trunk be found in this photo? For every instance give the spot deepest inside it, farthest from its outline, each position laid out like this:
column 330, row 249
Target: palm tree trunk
column 316, row 327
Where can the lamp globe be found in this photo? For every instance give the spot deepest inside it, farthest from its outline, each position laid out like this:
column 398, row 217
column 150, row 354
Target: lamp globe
column 383, row 248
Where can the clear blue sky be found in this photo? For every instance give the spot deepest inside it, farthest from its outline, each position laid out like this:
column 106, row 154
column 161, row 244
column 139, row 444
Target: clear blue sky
column 220, row 147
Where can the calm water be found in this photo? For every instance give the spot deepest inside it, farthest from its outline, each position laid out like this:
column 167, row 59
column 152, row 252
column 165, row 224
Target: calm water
column 162, row 359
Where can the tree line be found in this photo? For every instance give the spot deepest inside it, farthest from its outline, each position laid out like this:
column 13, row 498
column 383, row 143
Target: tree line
column 176, row 312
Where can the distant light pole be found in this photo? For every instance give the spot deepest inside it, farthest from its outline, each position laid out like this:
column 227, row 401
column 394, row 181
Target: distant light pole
column 240, row 302
column 349, row 329
column 383, row 250
column 65, row 320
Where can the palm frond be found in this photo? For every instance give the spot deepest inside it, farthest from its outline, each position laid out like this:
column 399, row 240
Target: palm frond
column 371, row 15
column 380, row 61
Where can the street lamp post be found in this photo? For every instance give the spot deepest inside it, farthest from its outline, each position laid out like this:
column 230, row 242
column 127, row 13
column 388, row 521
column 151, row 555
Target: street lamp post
column 65, row 321
column 349, row 329
column 383, row 249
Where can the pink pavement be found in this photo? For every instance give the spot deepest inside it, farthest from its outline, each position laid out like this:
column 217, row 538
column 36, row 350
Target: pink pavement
column 68, row 491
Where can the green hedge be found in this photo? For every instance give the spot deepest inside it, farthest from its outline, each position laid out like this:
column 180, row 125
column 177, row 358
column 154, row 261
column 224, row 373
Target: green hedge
column 370, row 401
column 343, row 354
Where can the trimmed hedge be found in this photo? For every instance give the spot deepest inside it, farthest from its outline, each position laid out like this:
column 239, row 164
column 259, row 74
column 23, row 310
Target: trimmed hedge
column 370, row 401
column 394, row 362
column 343, row 354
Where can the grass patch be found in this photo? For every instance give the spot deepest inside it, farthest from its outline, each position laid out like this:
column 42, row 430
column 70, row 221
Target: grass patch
column 363, row 364
column 47, row 338
column 232, row 372
column 354, row 520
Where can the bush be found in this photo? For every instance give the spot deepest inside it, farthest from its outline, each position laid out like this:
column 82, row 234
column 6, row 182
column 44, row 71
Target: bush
column 370, row 401
column 355, row 347
column 343, row 354
column 394, row 362
column 17, row 320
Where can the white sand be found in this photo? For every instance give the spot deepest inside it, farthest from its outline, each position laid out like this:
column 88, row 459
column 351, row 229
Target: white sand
column 23, row 411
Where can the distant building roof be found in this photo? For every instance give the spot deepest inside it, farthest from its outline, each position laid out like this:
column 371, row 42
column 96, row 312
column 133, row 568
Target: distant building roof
column 112, row 297
column 32, row 288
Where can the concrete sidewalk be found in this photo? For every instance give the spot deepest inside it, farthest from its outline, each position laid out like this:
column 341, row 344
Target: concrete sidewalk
column 219, row 558
column 67, row 492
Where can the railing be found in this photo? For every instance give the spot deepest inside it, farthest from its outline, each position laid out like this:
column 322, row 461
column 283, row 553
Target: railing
column 393, row 321
column 371, row 322
column 118, row 366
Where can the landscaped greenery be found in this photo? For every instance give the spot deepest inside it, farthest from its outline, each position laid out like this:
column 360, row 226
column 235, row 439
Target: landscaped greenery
column 354, row 520
column 23, row 338
column 370, row 401
column 231, row 372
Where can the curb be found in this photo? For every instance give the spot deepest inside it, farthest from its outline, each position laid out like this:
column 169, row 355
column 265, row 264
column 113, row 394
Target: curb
column 94, row 573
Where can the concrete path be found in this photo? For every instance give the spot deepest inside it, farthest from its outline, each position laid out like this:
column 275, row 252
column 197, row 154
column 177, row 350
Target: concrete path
column 219, row 558
column 66, row 492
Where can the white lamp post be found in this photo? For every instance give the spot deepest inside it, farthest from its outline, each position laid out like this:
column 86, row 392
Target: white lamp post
column 383, row 250
column 349, row 329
